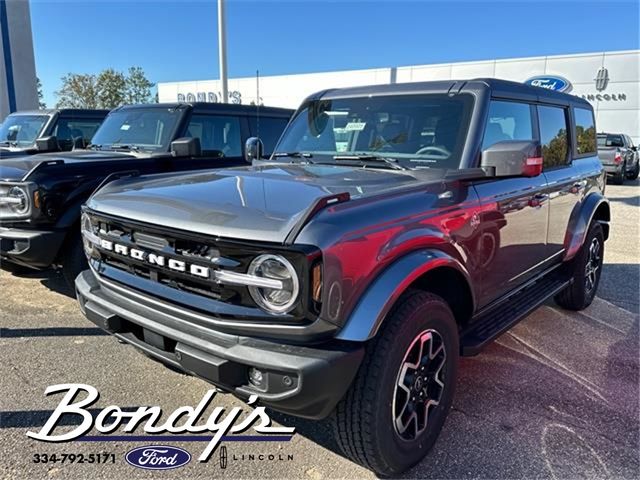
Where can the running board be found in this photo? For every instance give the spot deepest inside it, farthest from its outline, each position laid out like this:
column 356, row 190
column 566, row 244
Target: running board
column 491, row 324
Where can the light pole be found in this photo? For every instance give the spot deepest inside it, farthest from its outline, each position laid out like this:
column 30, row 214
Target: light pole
column 222, row 51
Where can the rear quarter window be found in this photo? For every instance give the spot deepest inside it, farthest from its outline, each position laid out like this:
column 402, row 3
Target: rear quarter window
column 585, row 131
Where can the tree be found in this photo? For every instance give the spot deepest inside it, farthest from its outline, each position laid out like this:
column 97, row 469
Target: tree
column 111, row 87
column 138, row 87
column 41, row 103
column 78, row 91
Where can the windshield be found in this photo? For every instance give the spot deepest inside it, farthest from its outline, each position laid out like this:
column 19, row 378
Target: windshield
column 137, row 129
column 416, row 131
column 610, row 141
column 21, row 130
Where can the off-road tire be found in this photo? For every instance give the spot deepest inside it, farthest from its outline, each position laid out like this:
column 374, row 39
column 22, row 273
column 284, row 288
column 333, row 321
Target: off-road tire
column 633, row 175
column 363, row 421
column 576, row 296
column 73, row 260
column 618, row 178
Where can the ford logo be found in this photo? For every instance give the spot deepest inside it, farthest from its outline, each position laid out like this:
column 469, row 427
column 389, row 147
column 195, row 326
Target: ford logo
column 157, row 457
column 557, row 84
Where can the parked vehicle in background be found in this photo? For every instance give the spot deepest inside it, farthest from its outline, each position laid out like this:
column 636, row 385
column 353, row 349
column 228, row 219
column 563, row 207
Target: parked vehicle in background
column 619, row 156
column 41, row 195
column 53, row 130
column 349, row 273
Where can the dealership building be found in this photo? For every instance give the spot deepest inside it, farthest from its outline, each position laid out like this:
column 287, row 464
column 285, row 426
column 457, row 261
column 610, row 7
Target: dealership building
column 610, row 81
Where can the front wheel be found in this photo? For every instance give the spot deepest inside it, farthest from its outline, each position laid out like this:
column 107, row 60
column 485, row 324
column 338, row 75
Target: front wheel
column 585, row 269
column 394, row 410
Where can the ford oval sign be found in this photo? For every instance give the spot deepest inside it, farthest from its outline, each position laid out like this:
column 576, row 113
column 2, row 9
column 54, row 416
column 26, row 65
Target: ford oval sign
column 557, row 84
column 158, row 457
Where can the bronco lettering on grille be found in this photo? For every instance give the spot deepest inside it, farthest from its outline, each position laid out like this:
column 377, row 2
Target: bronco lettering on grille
column 155, row 259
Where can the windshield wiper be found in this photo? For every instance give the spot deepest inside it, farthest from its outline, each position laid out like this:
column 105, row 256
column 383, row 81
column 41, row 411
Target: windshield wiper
column 392, row 162
column 93, row 146
column 292, row 154
column 129, row 148
column 9, row 143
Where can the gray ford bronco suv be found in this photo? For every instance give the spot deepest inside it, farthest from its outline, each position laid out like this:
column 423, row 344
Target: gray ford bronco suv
column 395, row 228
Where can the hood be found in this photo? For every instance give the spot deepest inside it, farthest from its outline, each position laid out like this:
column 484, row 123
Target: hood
column 16, row 152
column 251, row 203
column 16, row 168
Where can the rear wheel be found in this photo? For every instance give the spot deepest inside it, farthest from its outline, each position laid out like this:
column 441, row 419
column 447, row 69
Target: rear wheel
column 73, row 260
column 633, row 174
column 393, row 412
column 586, row 268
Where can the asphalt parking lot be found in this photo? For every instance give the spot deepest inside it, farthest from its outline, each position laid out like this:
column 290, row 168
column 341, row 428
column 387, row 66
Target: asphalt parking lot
column 557, row 397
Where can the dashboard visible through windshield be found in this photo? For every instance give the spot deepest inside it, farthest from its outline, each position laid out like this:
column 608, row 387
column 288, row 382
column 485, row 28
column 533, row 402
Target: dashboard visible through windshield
column 416, row 131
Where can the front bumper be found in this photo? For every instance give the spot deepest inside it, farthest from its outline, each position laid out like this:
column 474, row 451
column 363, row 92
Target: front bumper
column 33, row 248
column 305, row 381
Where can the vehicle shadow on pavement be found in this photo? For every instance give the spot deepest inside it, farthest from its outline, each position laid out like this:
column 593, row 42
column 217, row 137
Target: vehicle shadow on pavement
column 50, row 278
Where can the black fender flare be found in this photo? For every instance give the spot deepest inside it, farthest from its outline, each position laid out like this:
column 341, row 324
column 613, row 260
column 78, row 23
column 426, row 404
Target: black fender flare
column 366, row 318
column 581, row 218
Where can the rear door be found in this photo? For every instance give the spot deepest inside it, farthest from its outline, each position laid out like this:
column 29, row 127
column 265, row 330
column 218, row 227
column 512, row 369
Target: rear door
column 565, row 184
column 515, row 212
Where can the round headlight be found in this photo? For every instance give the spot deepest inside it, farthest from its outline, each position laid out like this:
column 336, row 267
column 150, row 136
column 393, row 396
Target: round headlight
column 275, row 267
column 20, row 204
column 89, row 237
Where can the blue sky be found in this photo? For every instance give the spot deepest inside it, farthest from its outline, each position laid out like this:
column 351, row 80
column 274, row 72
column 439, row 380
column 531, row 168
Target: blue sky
column 177, row 40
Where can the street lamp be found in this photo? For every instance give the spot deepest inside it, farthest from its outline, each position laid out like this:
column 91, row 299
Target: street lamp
column 222, row 51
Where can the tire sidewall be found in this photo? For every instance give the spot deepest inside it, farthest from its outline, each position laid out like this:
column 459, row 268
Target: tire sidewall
column 594, row 232
column 432, row 315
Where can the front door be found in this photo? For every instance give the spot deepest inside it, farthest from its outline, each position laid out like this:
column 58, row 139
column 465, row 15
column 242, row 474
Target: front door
column 515, row 211
column 220, row 139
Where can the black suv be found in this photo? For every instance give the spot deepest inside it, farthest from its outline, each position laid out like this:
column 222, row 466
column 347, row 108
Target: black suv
column 41, row 195
column 396, row 228
column 38, row 131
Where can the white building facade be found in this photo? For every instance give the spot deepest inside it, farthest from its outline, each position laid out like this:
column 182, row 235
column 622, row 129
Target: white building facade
column 609, row 80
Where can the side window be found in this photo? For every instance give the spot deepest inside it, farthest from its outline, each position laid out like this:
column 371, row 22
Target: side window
column 585, row 131
column 219, row 135
column 69, row 129
column 507, row 121
column 268, row 129
column 553, row 136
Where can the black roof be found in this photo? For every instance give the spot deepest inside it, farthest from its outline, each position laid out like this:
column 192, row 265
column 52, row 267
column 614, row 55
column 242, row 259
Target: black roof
column 216, row 107
column 68, row 111
column 497, row 87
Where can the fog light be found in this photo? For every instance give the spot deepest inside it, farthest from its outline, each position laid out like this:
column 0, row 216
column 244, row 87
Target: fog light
column 255, row 376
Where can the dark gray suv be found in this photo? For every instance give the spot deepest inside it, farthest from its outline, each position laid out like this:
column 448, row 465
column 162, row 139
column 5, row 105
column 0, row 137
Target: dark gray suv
column 395, row 228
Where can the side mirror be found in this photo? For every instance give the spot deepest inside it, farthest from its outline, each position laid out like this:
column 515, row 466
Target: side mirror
column 253, row 149
column 47, row 144
column 512, row 158
column 186, row 147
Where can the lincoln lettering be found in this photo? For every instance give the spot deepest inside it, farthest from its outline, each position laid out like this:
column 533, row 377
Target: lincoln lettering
column 155, row 259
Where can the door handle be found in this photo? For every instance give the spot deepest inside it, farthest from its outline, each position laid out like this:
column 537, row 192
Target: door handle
column 538, row 199
column 578, row 186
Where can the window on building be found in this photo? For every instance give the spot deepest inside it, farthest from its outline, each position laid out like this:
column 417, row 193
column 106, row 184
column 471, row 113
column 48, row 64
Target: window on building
column 219, row 135
column 585, row 131
column 508, row 121
column 553, row 136
column 268, row 129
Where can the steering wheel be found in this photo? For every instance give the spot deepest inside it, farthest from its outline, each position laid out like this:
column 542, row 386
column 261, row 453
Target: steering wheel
column 430, row 148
